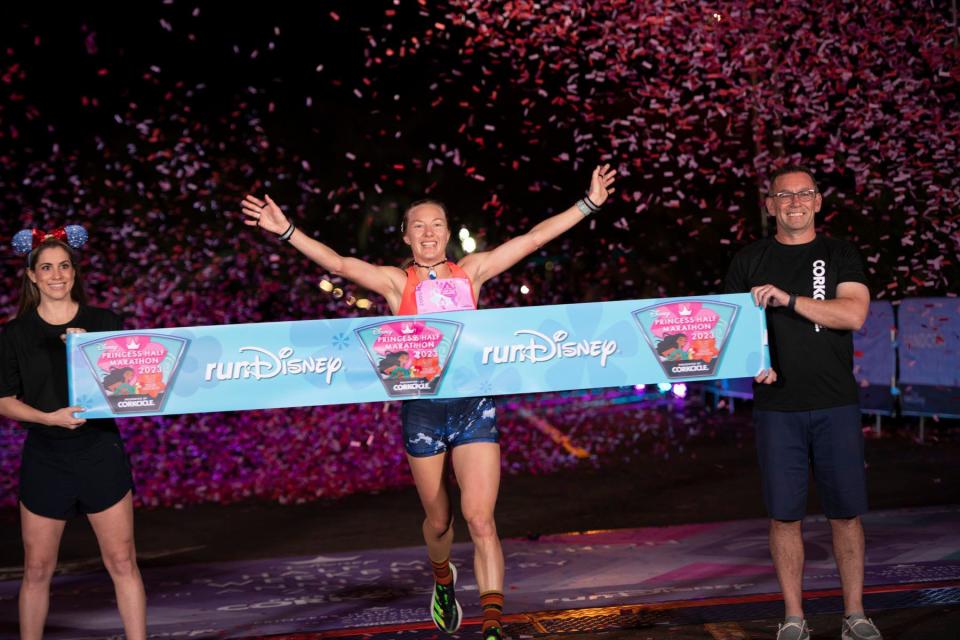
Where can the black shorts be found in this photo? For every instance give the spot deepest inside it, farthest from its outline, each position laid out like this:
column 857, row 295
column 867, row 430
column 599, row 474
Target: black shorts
column 830, row 441
column 59, row 480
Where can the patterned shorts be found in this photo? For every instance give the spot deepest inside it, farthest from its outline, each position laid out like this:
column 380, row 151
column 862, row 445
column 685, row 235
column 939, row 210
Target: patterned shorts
column 433, row 426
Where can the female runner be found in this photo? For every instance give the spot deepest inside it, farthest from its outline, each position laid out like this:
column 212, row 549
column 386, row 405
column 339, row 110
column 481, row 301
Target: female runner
column 462, row 428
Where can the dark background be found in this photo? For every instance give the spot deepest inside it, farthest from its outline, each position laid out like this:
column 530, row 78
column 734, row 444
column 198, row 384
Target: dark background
column 148, row 122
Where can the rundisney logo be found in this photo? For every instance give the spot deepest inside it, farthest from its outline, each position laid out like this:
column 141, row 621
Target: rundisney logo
column 543, row 348
column 266, row 365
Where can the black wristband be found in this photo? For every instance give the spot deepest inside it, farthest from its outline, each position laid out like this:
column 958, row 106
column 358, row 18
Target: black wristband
column 289, row 232
column 593, row 207
column 792, row 302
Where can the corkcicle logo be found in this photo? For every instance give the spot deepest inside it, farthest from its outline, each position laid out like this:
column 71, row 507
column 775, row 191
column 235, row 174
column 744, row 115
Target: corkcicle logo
column 410, row 356
column 135, row 371
column 688, row 336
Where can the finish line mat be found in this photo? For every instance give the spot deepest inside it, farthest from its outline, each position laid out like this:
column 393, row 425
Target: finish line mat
column 391, row 588
column 448, row 355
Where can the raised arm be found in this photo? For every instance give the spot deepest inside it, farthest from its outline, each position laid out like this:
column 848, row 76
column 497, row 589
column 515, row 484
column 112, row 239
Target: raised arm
column 488, row 264
column 266, row 214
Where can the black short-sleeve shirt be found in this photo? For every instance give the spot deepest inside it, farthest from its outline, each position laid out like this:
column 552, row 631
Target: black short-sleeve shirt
column 814, row 364
column 33, row 366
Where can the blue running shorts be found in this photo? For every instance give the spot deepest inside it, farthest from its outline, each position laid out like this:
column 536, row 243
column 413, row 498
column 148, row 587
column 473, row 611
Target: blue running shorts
column 433, row 426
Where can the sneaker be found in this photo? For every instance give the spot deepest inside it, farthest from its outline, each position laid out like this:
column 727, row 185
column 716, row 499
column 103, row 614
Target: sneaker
column 859, row 627
column 494, row 633
column 793, row 629
column 444, row 608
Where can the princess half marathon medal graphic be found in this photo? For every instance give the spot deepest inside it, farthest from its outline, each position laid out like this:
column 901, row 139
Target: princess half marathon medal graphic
column 410, row 356
column 135, row 371
column 687, row 336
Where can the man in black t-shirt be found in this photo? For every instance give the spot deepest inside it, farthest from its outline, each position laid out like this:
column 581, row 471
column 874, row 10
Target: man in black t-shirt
column 806, row 408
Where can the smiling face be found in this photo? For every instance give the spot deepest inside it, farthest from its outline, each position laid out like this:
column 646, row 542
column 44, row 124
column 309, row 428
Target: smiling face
column 794, row 215
column 53, row 274
column 427, row 233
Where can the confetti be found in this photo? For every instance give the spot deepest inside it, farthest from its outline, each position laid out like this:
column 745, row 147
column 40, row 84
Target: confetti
column 499, row 109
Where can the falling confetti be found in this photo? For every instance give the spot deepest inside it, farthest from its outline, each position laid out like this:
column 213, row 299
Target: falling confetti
column 501, row 110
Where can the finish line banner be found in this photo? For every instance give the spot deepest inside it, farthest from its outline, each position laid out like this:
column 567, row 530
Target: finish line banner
column 448, row 355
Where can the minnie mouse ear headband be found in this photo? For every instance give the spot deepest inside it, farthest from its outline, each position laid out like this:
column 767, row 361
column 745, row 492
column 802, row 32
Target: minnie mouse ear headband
column 29, row 239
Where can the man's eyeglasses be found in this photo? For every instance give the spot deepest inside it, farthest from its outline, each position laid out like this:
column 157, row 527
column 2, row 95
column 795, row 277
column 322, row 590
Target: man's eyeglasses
column 785, row 197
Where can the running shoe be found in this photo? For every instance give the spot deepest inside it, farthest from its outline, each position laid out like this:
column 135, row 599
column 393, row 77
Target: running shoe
column 444, row 608
column 494, row 633
column 859, row 627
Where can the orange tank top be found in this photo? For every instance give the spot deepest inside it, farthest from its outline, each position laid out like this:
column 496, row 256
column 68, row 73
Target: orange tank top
column 432, row 296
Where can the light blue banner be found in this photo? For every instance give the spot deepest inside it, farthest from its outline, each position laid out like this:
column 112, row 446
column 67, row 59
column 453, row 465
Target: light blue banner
column 448, row 355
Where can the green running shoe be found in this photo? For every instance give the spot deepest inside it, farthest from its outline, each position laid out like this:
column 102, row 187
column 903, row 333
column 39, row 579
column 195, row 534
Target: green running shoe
column 444, row 608
column 493, row 633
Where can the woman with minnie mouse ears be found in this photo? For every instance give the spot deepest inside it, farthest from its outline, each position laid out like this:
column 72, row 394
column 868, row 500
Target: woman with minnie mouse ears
column 69, row 465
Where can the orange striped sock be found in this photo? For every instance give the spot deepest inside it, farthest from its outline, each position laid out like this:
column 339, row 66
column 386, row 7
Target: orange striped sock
column 492, row 603
column 441, row 572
